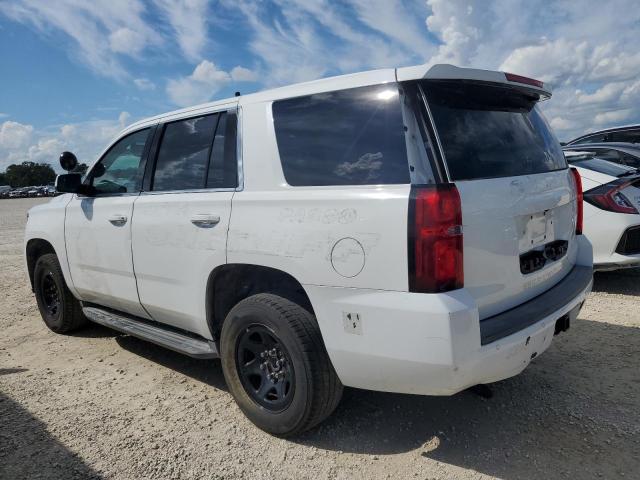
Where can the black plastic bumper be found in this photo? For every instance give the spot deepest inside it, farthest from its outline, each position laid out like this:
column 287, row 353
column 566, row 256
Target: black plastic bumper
column 524, row 315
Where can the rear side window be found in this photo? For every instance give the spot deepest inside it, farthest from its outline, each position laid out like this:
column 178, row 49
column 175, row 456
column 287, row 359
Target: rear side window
column 347, row 137
column 197, row 153
column 489, row 131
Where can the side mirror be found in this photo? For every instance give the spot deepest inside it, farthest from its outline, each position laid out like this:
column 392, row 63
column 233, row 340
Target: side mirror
column 69, row 183
column 68, row 161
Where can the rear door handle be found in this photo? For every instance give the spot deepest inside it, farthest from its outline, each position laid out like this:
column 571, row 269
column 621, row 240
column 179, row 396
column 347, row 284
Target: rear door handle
column 118, row 220
column 205, row 220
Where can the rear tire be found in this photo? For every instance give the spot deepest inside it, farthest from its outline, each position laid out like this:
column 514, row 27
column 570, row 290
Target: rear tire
column 60, row 310
column 276, row 366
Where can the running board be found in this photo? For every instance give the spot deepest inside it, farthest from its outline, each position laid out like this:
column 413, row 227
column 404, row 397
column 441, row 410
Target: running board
column 194, row 347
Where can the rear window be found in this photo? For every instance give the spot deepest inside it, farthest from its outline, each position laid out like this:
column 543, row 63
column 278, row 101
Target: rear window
column 348, row 137
column 489, row 131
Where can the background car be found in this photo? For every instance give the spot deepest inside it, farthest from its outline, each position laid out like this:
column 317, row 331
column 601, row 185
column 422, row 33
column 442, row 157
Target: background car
column 617, row 152
column 611, row 210
column 628, row 133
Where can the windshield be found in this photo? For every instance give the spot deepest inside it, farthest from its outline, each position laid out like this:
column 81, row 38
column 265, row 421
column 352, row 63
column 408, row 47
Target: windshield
column 489, row 131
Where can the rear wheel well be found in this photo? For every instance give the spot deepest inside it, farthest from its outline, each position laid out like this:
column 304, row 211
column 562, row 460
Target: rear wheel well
column 36, row 247
column 231, row 283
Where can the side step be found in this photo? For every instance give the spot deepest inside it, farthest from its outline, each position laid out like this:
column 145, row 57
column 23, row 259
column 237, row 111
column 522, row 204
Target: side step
column 194, row 347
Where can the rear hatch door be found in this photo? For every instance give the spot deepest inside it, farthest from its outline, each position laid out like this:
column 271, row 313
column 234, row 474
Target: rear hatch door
column 518, row 196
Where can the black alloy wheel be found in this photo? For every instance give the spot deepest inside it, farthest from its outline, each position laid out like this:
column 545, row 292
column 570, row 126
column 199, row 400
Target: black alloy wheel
column 265, row 368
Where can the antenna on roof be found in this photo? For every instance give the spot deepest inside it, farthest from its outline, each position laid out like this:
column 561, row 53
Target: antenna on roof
column 237, row 94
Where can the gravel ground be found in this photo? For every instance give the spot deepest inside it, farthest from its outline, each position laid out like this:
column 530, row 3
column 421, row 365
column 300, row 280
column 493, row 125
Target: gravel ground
column 103, row 405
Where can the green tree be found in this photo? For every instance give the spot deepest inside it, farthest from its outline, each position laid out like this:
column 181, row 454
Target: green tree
column 29, row 173
column 3, row 178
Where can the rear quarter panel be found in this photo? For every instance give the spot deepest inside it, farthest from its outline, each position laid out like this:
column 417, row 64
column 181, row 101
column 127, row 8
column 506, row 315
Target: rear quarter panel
column 335, row 236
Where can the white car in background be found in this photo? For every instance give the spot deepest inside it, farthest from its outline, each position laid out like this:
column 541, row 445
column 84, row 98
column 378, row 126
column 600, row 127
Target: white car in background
column 611, row 210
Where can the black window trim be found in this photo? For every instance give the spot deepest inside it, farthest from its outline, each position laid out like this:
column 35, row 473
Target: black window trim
column 143, row 162
column 155, row 148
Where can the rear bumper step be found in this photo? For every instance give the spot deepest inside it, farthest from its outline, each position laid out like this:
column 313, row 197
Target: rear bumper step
column 518, row 318
column 194, row 347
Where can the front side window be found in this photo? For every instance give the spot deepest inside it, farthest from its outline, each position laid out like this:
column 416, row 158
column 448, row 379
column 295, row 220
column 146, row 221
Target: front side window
column 347, row 137
column 491, row 131
column 121, row 169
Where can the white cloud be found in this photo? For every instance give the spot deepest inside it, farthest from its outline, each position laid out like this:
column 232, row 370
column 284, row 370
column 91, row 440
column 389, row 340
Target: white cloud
column 199, row 87
column 125, row 40
column 241, row 74
column 615, row 116
column 14, row 135
column 3, row 115
column 188, row 19
column 204, row 82
column 20, row 142
column 99, row 31
column 144, row 84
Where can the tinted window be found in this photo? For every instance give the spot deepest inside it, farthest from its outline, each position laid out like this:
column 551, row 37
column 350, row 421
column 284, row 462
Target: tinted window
column 121, row 169
column 596, row 138
column 607, row 154
column 489, row 132
column 348, row 137
column 631, row 160
column 183, row 156
column 631, row 136
column 223, row 167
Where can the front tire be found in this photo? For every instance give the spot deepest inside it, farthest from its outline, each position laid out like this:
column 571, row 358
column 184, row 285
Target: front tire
column 276, row 366
column 60, row 310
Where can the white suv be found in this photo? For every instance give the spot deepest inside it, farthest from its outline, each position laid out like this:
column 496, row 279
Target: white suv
column 410, row 230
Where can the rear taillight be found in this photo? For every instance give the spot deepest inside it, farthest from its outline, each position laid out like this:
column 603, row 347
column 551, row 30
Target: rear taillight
column 610, row 197
column 512, row 77
column 577, row 184
column 435, row 239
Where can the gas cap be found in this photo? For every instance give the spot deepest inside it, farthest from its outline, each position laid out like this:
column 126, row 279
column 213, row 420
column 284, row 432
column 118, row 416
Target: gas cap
column 347, row 257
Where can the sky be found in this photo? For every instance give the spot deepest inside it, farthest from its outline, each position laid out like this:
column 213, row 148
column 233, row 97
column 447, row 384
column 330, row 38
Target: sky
column 73, row 73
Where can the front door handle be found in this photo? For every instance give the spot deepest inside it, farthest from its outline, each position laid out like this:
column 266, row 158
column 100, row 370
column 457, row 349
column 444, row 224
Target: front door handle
column 118, row 220
column 205, row 220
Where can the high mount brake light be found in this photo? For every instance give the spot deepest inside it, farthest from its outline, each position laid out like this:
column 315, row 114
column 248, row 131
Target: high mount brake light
column 577, row 181
column 512, row 77
column 435, row 239
column 610, row 197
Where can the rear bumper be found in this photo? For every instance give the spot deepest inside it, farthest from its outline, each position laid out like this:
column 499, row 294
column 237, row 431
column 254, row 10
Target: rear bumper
column 432, row 344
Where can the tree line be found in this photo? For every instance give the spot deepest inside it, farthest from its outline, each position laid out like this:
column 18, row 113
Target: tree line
column 27, row 174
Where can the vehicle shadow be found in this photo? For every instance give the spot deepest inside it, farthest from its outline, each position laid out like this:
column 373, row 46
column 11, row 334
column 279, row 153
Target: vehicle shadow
column 625, row 282
column 573, row 401
column 28, row 450
column 205, row 371
column 94, row 330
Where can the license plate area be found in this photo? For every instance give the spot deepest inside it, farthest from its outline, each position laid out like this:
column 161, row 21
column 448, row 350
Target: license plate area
column 536, row 230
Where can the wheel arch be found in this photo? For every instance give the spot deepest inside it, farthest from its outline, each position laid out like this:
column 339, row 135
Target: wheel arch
column 230, row 283
column 35, row 248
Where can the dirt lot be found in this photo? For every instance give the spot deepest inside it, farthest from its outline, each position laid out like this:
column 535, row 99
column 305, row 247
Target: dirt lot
column 104, row 405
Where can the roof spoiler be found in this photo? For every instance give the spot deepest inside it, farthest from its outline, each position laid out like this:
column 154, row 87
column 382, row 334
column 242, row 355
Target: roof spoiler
column 443, row 71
